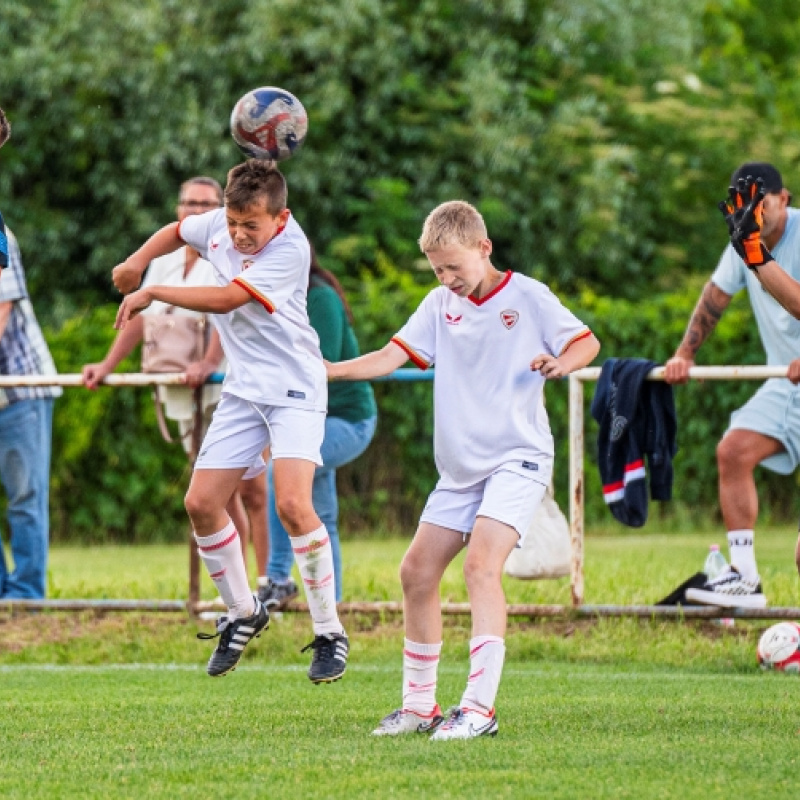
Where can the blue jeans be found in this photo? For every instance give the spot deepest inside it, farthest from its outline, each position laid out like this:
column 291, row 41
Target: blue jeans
column 344, row 441
column 25, row 435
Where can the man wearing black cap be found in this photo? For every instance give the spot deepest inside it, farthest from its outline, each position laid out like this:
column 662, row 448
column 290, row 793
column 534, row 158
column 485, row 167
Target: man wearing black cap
column 766, row 430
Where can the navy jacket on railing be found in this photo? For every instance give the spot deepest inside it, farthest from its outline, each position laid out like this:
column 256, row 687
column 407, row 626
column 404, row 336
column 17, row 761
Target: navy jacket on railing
column 637, row 420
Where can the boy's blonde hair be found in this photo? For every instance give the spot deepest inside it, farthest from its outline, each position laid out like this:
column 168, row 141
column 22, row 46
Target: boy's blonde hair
column 5, row 128
column 453, row 223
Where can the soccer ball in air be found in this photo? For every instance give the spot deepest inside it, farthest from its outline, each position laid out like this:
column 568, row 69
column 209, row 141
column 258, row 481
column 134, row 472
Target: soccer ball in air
column 779, row 648
column 269, row 123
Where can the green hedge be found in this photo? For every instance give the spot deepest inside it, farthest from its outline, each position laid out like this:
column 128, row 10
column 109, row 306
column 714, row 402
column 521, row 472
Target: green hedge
column 114, row 478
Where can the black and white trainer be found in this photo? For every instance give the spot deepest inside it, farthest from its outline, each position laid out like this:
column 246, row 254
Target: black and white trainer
column 234, row 636
column 276, row 596
column 730, row 589
column 330, row 657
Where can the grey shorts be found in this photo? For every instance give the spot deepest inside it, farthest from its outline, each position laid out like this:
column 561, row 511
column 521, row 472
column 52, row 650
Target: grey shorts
column 774, row 411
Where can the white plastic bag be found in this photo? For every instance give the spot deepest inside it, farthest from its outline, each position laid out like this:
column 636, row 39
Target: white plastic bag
column 546, row 550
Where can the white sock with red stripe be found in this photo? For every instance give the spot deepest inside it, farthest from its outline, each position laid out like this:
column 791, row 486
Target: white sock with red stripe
column 420, row 666
column 314, row 558
column 486, row 657
column 222, row 554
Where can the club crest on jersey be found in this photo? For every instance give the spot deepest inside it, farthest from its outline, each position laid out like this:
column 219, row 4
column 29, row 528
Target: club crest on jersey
column 509, row 318
column 248, row 262
column 214, row 245
column 453, row 319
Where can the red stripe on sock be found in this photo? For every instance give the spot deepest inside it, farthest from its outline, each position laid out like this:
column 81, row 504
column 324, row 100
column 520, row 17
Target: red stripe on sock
column 313, row 546
column 211, row 547
column 419, row 656
column 312, row 584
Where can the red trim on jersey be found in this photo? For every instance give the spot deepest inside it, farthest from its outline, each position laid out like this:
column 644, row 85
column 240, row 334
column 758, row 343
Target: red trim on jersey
column 480, row 301
column 265, row 301
column 178, row 232
column 577, row 338
column 415, row 357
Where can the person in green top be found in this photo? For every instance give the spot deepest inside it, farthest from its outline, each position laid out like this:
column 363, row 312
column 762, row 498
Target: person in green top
column 349, row 428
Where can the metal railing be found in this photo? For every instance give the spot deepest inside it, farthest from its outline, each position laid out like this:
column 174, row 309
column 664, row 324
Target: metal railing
column 576, row 510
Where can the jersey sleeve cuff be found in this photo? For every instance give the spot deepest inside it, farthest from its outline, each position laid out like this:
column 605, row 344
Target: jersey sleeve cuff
column 582, row 335
column 411, row 353
column 265, row 301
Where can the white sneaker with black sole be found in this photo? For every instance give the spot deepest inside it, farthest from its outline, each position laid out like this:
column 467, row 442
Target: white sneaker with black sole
column 466, row 723
column 730, row 590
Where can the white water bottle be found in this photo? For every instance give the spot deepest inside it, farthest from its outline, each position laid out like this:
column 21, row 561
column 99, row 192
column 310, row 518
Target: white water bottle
column 715, row 563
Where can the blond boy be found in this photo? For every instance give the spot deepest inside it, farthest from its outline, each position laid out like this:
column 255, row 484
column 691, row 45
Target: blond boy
column 494, row 338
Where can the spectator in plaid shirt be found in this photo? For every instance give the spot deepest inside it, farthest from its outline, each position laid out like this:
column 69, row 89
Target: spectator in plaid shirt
column 26, row 415
column 5, row 132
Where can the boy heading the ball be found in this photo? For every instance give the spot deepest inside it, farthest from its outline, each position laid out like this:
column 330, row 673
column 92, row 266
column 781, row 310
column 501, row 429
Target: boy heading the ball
column 495, row 337
column 274, row 395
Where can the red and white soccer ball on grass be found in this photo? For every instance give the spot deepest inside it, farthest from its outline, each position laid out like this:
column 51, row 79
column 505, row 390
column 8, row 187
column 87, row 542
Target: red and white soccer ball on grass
column 779, row 648
column 269, row 123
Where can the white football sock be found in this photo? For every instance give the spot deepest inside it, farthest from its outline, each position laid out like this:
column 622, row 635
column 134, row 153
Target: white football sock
column 420, row 665
column 222, row 554
column 743, row 554
column 486, row 657
column 314, row 558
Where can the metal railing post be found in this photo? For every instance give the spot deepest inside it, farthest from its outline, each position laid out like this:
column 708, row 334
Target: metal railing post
column 576, row 490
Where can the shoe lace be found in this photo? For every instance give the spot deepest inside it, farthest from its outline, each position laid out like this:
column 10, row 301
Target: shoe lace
column 453, row 717
column 322, row 646
column 224, row 631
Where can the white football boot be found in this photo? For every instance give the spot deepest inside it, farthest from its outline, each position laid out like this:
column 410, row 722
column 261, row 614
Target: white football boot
column 405, row 721
column 466, row 723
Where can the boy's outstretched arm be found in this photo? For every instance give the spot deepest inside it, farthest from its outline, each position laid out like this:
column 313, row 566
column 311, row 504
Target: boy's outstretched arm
column 576, row 355
column 370, row 365
column 208, row 299
column 128, row 275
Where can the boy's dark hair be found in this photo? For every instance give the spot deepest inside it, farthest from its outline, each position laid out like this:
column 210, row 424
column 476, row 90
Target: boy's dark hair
column 5, row 128
column 256, row 181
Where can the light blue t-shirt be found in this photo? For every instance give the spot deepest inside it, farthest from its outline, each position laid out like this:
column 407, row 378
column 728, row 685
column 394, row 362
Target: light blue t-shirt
column 779, row 330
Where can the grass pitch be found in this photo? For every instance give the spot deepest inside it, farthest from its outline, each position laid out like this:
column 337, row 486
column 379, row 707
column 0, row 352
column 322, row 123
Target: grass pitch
column 119, row 706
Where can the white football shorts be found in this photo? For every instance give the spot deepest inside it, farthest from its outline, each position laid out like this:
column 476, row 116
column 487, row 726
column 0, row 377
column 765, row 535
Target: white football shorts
column 240, row 430
column 774, row 411
column 505, row 496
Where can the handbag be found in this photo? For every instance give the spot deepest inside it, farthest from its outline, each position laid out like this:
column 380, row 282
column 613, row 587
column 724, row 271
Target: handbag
column 171, row 342
column 546, row 550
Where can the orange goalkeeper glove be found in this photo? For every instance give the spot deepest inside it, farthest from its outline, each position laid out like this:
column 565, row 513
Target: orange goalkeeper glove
column 744, row 213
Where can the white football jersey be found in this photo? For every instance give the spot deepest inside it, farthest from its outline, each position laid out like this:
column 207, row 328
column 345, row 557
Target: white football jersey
column 272, row 350
column 488, row 403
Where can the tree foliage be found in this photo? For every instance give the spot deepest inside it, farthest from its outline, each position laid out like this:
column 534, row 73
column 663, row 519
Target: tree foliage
column 595, row 136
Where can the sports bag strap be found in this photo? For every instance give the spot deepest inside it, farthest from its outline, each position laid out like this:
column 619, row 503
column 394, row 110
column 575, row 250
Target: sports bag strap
column 162, row 423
